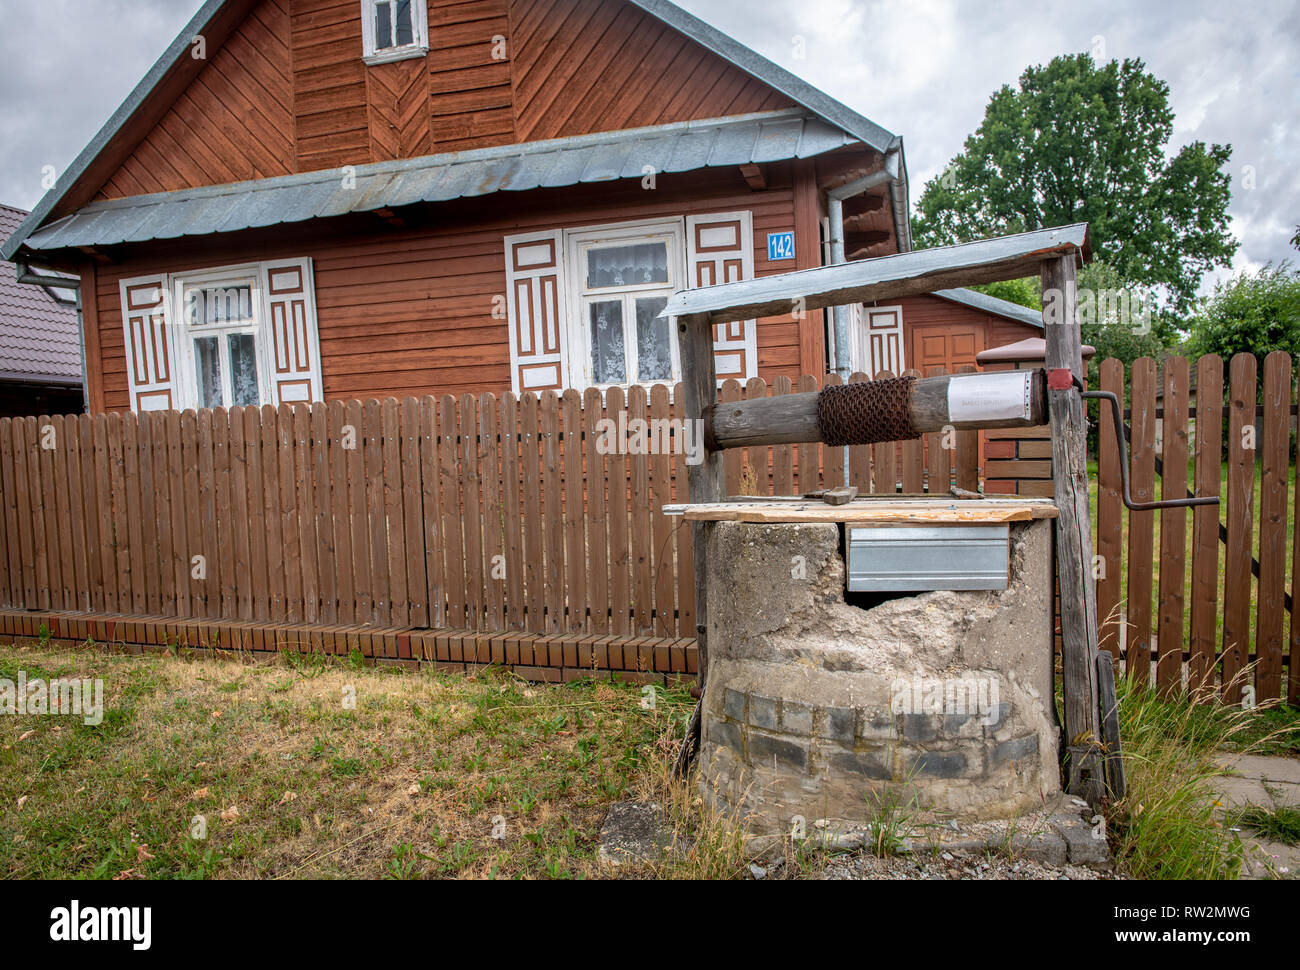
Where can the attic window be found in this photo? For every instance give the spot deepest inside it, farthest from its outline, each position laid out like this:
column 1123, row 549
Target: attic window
column 393, row 30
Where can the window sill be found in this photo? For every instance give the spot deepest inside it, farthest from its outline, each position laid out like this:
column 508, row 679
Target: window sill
column 389, row 55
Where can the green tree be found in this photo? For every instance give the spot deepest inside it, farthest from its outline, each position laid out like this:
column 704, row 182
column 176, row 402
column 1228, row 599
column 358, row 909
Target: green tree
column 1111, row 319
column 1295, row 240
column 1075, row 142
column 1252, row 312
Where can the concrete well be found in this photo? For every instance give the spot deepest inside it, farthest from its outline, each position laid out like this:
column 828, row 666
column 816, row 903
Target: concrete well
column 814, row 706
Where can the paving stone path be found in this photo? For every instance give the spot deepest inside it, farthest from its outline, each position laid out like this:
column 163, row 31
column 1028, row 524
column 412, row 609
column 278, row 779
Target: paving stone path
column 1270, row 782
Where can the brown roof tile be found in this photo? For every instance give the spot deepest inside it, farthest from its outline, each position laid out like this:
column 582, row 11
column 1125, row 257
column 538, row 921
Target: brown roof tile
column 38, row 335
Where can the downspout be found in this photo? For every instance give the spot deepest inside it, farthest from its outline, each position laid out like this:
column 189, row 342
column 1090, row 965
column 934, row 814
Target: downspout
column 27, row 277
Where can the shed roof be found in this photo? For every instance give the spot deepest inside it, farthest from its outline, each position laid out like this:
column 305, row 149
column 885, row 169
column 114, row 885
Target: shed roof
column 992, row 304
column 214, row 21
column 679, row 147
column 38, row 334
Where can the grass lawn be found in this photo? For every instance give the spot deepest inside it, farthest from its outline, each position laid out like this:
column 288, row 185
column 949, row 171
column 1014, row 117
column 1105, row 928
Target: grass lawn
column 229, row 768
column 428, row 775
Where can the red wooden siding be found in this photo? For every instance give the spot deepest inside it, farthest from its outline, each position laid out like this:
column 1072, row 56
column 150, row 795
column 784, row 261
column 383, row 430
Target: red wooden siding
column 946, row 335
column 233, row 123
column 593, row 65
column 288, row 90
column 411, row 311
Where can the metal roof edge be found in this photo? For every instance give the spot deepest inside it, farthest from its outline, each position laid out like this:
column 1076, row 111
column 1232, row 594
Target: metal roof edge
column 398, row 166
column 755, row 64
column 992, row 304
column 139, row 94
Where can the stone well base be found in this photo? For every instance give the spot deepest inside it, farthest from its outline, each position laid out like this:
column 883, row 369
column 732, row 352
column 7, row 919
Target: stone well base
column 815, row 707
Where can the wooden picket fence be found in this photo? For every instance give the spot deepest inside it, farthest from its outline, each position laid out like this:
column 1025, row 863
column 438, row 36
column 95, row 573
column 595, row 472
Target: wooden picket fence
column 479, row 513
column 1182, row 606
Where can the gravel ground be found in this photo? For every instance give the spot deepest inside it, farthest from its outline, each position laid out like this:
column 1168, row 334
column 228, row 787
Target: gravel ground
column 951, row 865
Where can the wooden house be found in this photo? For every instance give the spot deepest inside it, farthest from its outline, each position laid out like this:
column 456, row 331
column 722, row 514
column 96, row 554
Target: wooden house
column 320, row 199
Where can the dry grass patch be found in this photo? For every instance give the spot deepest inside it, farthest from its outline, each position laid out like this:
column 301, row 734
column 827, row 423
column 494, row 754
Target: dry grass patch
column 303, row 768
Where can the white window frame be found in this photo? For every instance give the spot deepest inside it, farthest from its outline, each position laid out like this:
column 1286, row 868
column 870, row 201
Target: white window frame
column 188, row 390
column 577, row 331
column 419, row 46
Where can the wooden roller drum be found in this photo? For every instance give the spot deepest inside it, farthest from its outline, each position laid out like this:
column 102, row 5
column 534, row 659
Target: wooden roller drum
column 876, row 411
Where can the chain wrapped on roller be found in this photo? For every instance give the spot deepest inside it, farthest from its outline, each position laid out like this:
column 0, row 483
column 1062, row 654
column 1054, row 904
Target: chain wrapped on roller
column 866, row 412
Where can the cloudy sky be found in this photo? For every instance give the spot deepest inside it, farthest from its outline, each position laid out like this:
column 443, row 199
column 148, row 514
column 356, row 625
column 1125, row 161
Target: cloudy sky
column 921, row 68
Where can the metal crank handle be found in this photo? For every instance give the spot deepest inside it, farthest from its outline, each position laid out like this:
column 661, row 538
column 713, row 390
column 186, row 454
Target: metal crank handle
column 1176, row 503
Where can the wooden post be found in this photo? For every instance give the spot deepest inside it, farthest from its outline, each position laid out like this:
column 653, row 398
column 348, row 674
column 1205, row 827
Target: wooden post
column 707, row 484
column 1064, row 360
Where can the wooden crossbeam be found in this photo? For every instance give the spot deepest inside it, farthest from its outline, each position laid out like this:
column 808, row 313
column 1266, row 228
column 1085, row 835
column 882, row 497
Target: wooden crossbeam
column 885, row 278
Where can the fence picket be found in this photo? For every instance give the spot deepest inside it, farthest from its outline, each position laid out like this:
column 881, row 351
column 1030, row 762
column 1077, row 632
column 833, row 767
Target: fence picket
column 238, row 510
column 255, row 502
column 641, row 535
column 1141, row 525
column 553, row 505
column 1110, row 516
column 303, row 475
column 63, row 594
column 399, row 606
column 530, row 450
column 41, row 466
column 493, row 538
column 782, row 455
column 225, row 527
column 431, row 512
column 912, row 459
column 1173, row 528
column 355, row 459
column 660, row 495
column 860, row 463
column 327, row 571
column 162, row 499
column 512, row 512
column 809, row 454
column 1205, row 526
column 1275, row 465
column 1237, row 557
column 575, row 540
column 597, row 524
column 620, row 593
column 272, row 515
column 339, row 438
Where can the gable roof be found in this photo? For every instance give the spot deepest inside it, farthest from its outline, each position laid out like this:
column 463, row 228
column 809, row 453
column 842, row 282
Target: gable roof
column 38, row 334
column 216, row 18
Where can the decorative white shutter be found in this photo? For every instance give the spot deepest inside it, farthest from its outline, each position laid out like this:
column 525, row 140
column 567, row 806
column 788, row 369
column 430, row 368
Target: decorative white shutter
column 534, row 295
column 720, row 249
column 151, row 351
column 883, row 331
column 294, row 346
